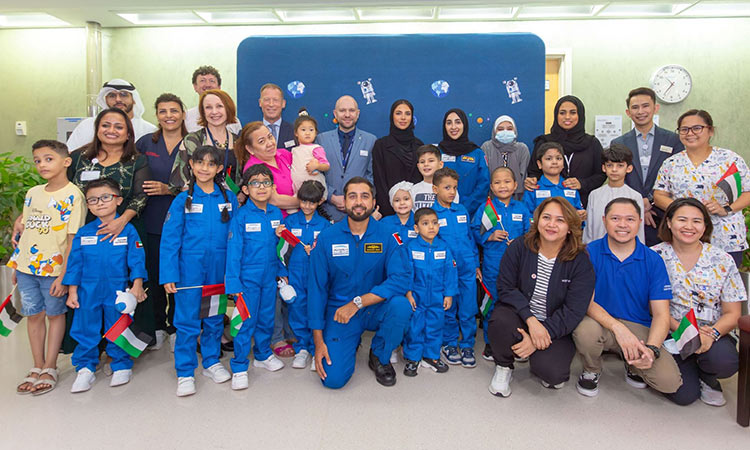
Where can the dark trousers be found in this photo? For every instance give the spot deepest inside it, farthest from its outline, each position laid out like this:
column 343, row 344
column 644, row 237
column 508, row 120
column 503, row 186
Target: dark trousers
column 720, row 361
column 163, row 303
column 551, row 365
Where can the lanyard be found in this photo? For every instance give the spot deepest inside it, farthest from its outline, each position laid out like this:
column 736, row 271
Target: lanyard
column 568, row 160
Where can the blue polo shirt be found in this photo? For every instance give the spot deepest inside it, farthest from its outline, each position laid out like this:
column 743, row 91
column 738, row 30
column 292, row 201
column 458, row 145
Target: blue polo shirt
column 624, row 288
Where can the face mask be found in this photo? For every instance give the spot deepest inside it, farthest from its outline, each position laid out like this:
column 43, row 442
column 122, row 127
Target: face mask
column 505, row 136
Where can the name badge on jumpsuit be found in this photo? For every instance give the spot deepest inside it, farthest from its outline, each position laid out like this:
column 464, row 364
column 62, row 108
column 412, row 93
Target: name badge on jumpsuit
column 89, row 240
column 122, row 240
column 195, row 208
column 440, row 254
column 252, row 227
column 340, row 250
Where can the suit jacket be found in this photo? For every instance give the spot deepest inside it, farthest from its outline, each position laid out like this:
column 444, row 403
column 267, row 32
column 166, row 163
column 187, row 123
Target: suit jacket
column 359, row 165
column 662, row 137
column 286, row 135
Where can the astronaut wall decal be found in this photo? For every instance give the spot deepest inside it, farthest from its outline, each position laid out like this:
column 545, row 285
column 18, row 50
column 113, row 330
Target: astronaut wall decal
column 514, row 91
column 368, row 90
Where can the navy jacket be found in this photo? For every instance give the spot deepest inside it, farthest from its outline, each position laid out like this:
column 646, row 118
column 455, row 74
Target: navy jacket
column 569, row 291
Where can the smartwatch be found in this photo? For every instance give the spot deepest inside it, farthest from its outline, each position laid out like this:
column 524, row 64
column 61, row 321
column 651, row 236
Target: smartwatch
column 728, row 209
column 654, row 349
column 357, row 301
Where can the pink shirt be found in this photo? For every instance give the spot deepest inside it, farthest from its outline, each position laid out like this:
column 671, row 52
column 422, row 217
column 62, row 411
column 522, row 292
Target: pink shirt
column 282, row 176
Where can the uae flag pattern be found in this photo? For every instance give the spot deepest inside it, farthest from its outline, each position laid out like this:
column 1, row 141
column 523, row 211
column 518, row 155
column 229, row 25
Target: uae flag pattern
column 9, row 318
column 126, row 335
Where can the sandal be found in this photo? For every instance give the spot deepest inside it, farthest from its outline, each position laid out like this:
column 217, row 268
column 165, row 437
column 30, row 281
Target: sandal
column 284, row 351
column 51, row 383
column 29, row 380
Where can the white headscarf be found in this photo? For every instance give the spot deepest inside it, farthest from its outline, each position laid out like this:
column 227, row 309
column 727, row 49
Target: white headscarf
column 117, row 84
column 502, row 119
column 400, row 186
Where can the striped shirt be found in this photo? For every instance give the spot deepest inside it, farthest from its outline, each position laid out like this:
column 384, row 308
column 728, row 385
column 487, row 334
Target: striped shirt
column 538, row 302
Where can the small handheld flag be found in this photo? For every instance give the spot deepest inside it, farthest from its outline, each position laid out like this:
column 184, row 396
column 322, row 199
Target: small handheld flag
column 213, row 301
column 486, row 300
column 731, row 183
column 9, row 318
column 286, row 243
column 126, row 335
column 230, row 182
column 240, row 315
column 687, row 335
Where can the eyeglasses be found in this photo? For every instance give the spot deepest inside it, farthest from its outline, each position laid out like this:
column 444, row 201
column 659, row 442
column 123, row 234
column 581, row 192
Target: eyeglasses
column 105, row 198
column 696, row 129
column 257, row 184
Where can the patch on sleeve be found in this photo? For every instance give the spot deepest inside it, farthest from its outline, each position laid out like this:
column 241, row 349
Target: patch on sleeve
column 138, row 244
column 398, row 239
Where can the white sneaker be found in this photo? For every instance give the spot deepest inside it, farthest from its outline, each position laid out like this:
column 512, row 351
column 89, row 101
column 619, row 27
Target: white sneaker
column 120, row 377
column 312, row 364
column 161, row 337
column 84, row 381
column 500, row 384
column 711, row 396
column 218, row 373
column 394, row 357
column 300, row 359
column 239, row 381
column 271, row 364
column 185, row 386
column 553, row 386
column 172, row 339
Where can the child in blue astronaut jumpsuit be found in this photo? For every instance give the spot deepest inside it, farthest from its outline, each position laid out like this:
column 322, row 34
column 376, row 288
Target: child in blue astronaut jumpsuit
column 433, row 286
column 306, row 224
column 513, row 221
column 251, row 269
column 193, row 254
column 96, row 270
column 455, row 229
column 401, row 201
column 550, row 159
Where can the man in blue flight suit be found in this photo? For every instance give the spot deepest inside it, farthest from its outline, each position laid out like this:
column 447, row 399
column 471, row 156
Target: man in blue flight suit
column 358, row 280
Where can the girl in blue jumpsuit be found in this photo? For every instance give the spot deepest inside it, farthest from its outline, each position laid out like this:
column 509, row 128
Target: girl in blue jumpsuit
column 401, row 201
column 466, row 158
column 193, row 253
column 513, row 222
column 252, row 267
column 98, row 269
column 306, row 224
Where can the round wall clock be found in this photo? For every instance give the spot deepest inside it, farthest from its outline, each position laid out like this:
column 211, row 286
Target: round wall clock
column 672, row 83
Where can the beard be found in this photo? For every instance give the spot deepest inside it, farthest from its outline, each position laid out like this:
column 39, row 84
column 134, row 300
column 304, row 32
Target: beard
column 358, row 217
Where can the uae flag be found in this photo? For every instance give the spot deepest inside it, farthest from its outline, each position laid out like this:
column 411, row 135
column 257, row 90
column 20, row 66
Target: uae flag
column 230, row 182
column 213, row 300
column 687, row 335
column 285, row 246
column 731, row 183
column 9, row 318
column 240, row 315
column 486, row 300
column 126, row 335
column 490, row 218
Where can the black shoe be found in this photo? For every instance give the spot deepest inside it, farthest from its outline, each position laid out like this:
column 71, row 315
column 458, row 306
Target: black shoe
column 487, row 353
column 384, row 373
column 227, row 346
column 634, row 380
column 435, row 364
column 411, row 368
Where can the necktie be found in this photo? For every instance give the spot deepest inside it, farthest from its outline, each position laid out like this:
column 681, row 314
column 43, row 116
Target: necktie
column 275, row 130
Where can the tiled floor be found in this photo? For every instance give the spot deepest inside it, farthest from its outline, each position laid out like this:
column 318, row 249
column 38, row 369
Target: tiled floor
column 289, row 409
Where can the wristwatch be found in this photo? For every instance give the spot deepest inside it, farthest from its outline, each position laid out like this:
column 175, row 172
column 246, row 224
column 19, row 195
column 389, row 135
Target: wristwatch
column 654, row 349
column 717, row 334
column 357, row 301
column 728, row 209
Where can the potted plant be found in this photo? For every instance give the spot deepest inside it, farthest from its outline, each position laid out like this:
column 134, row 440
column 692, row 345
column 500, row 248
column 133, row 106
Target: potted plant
column 17, row 176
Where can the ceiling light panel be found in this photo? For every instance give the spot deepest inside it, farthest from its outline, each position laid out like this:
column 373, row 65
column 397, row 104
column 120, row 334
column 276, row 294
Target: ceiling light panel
column 395, row 14
column 475, row 13
column 640, row 10
column 162, row 18
column 227, row 17
column 554, row 12
column 322, row 15
column 718, row 10
column 31, row 20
